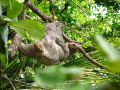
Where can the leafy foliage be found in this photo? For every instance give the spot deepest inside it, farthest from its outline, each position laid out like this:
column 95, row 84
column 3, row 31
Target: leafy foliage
column 82, row 19
column 14, row 9
column 28, row 28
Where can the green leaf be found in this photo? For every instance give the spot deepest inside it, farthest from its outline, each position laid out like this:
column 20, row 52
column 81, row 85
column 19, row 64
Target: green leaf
column 110, row 52
column 53, row 76
column 5, row 3
column 31, row 27
column 107, row 48
column 3, row 59
column 117, row 1
column 114, row 66
column 3, row 46
column 14, row 9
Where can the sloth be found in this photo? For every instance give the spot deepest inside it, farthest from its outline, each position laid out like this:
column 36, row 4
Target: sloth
column 52, row 49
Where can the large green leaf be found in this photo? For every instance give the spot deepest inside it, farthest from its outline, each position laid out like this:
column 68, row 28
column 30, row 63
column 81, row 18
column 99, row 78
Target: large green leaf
column 110, row 52
column 107, row 48
column 31, row 27
column 14, row 9
column 117, row 1
column 5, row 2
column 53, row 76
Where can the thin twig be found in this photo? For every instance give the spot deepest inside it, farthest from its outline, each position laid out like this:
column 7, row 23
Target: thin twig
column 12, row 86
column 51, row 9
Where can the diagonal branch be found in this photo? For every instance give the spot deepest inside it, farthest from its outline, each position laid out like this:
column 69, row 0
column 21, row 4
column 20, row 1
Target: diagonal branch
column 38, row 12
column 73, row 45
column 89, row 58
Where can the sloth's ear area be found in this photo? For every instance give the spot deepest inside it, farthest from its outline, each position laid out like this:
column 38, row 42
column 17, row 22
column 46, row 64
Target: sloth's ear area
column 38, row 46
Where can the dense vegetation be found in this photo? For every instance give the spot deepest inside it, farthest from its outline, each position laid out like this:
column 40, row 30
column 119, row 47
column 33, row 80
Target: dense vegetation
column 92, row 24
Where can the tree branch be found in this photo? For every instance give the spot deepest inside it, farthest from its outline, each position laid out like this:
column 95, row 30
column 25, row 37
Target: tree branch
column 13, row 47
column 38, row 12
column 68, row 39
column 73, row 45
column 89, row 58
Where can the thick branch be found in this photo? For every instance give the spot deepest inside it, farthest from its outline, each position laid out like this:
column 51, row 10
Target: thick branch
column 38, row 12
column 13, row 47
column 69, row 40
